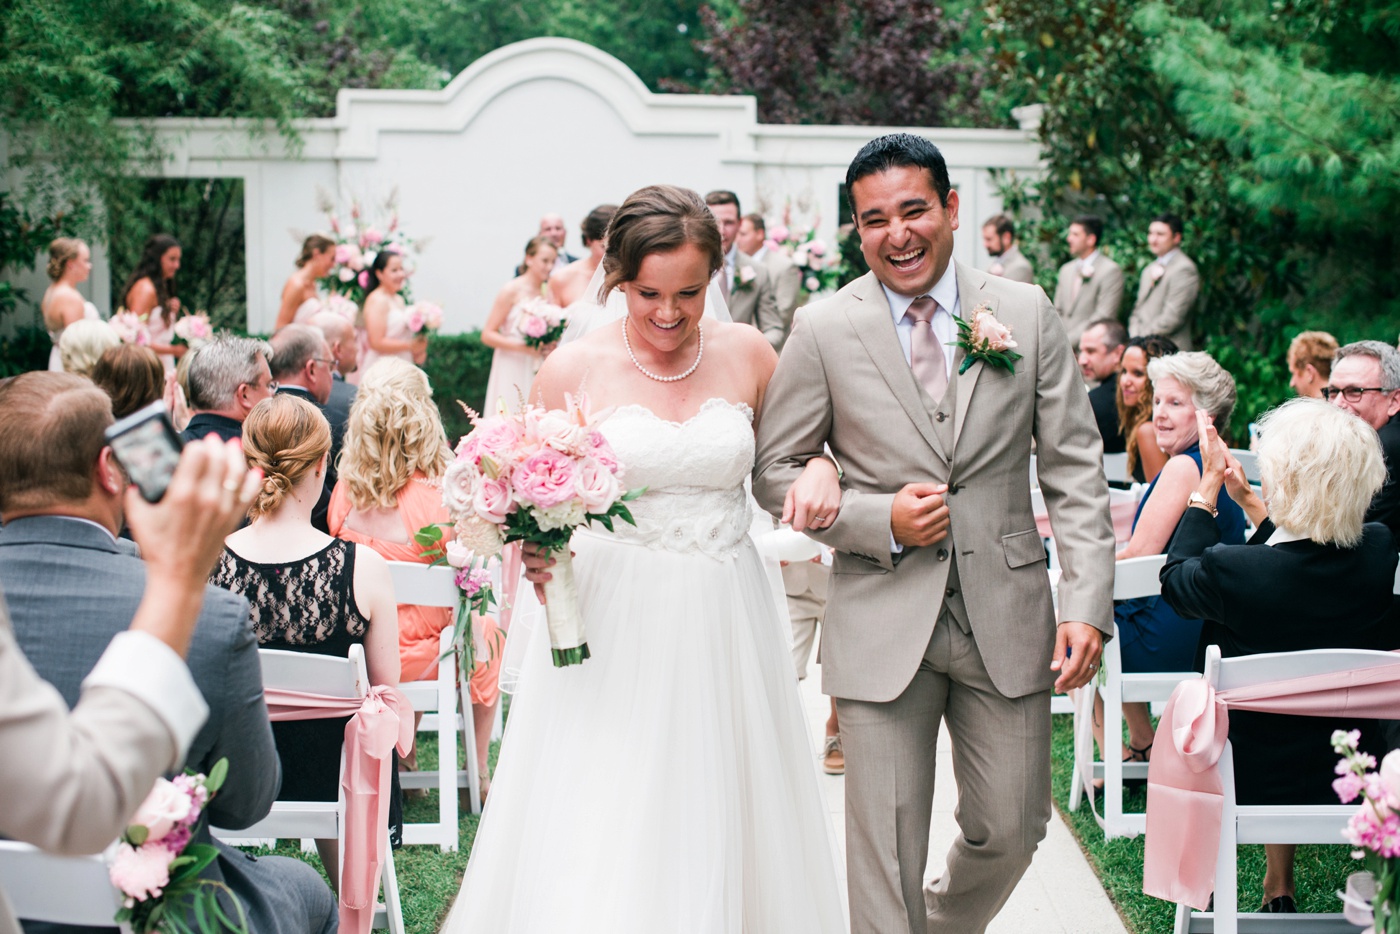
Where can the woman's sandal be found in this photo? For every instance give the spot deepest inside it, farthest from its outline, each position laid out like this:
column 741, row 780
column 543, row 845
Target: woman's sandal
column 1136, row 755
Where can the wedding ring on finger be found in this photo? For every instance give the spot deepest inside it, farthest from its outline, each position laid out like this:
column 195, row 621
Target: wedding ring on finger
column 816, row 519
column 232, row 485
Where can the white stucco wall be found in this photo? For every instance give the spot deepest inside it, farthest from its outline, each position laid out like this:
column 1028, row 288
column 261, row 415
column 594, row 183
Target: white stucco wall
column 546, row 125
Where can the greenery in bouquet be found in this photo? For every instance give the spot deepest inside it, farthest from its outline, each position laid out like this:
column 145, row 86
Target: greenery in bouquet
column 157, row 867
column 1374, row 830
column 821, row 266
column 474, row 551
column 358, row 240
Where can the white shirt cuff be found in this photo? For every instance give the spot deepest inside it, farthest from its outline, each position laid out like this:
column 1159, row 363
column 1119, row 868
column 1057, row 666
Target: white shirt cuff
column 152, row 672
column 895, row 547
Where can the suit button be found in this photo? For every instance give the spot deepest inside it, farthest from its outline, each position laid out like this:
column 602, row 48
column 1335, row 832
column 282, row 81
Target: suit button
column 951, row 592
column 953, row 489
column 941, row 416
column 942, row 554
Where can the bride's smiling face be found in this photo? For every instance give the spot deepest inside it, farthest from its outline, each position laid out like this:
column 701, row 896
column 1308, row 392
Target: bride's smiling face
column 667, row 299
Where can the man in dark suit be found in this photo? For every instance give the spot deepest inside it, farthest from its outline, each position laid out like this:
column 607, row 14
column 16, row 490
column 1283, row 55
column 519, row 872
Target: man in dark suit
column 552, row 226
column 1100, row 352
column 1365, row 381
column 71, row 587
column 302, row 365
column 340, row 337
column 227, row 377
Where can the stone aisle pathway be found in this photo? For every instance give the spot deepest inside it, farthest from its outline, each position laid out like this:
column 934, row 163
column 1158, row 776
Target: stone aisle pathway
column 1059, row 893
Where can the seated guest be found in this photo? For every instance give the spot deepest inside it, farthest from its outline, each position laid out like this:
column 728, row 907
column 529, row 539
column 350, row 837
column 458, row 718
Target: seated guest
column 1310, row 362
column 1281, row 593
column 132, row 377
column 309, row 592
column 1100, row 354
column 83, row 342
column 72, row 586
column 227, row 376
column 1151, row 635
column 390, row 486
column 302, row 366
column 1145, row 455
column 340, row 337
column 1365, row 381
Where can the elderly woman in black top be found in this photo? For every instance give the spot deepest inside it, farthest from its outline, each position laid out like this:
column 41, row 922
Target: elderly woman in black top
column 1312, row 577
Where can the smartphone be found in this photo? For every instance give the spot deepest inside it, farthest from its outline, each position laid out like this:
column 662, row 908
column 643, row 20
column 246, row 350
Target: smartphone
column 148, row 448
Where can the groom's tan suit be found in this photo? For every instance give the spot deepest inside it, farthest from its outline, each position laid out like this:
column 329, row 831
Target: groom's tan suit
column 962, row 630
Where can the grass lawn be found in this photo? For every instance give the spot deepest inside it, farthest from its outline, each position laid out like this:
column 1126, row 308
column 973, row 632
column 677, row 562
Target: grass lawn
column 1321, row 870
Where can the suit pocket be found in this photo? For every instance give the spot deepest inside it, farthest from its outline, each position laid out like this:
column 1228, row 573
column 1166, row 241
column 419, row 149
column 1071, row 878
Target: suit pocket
column 1023, row 548
column 843, row 563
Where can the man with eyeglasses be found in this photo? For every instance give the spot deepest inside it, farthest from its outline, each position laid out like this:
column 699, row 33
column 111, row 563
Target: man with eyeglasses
column 1365, row 381
column 227, row 376
column 302, row 365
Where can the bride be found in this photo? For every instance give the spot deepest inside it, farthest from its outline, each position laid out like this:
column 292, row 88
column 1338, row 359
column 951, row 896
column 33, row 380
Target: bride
column 666, row 784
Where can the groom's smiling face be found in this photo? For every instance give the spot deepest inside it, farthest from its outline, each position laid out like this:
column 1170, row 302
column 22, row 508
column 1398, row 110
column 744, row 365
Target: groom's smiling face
column 906, row 234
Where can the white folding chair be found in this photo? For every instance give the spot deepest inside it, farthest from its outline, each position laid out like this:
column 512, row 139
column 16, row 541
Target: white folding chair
column 1245, row 824
column 1250, row 462
column 332, row 676
column 1115, row 468
column 59, row 889
column 439, row 700
column 1134, row 577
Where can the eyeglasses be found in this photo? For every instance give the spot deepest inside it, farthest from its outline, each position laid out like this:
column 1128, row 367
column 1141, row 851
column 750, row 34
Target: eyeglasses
column 1349, row 393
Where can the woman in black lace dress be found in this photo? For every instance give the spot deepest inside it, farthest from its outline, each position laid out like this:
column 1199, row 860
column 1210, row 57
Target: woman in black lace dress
column 309, row 592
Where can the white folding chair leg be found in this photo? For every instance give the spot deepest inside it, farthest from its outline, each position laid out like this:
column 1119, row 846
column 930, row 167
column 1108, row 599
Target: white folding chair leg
column 1083, row 775
column 469, row 742
column 447, row 761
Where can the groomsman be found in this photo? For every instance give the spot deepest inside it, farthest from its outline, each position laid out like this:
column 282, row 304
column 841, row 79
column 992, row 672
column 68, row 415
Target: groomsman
column 1167, row 292
column 746, row 285
column 787, row 278
column 999, row 238
column 552, row 226
column 1090, row 285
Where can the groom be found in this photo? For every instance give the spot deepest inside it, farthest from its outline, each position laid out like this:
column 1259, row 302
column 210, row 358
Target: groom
column 939, row 605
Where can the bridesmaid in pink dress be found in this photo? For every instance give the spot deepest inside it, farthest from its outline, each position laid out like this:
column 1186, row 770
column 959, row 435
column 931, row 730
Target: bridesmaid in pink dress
column 151, row 292
column 300, row 299
column 386, row 318
column 514, row 363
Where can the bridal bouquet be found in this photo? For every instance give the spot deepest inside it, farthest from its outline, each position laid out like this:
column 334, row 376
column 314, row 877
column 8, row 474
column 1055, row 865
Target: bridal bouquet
column 541, row 323
column 535, row 476
column 131, row 327
column 192, row 330
column 157, row 868
column 1374, row 830
column 424, row 317
column 475, row 551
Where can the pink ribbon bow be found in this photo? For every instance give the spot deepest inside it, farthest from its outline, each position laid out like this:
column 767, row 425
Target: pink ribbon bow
column 379, row 722
column 1185, row 793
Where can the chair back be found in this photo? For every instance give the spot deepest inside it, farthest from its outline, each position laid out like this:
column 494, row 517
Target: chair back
column 1248, row 670
column 1115, row 468
column 1138, row 577
column 424, row 584
column 58, row 889
column 330, row 675
column 1250, row 462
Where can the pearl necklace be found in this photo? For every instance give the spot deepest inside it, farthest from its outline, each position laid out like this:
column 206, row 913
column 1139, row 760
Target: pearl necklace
column 699, row 353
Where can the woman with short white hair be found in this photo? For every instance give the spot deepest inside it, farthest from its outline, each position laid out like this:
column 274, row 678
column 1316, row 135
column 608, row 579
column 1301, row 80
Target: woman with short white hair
column 1313, row 576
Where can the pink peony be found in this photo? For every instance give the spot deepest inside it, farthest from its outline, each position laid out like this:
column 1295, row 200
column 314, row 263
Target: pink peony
column 141, row 872
column 597, row 486
column 780, row 233
column 492, row 500
column 364, row 279
column 602, row 452
column 164, row 808
column 534, row 326
column 544, row 479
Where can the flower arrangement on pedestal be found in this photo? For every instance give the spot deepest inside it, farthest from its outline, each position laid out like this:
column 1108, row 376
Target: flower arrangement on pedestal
column 358, row 241
column 821, row 267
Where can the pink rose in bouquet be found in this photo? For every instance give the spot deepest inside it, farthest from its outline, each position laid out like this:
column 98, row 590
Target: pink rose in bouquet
column 601, row 451
column 534, row 326
column 163, row 808
column 131, row 327
column 540, row 323
column 348, row 254
column 544, row 479
column 192, row 330
column 598, row 486
column 493, row 500
column 423, row 317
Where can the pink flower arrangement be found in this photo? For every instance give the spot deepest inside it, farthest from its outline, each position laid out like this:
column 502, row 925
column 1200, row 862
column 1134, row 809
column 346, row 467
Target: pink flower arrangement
column 131, row 327
column 424, row 316
column 820, row 271
column 540, row 323
column 358, row 242
column 192, row 330
column 154, row 864
column 1375, row 827
column 535, row 476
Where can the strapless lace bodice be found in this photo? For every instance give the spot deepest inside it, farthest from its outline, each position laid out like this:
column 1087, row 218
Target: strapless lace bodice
column 694, row 473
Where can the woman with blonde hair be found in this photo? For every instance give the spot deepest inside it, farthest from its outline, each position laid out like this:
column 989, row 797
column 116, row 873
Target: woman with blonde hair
column 1145, row 456
column 307, row 592
column 1314, row 576
column 389, row 487
column 70, row 262
column 83, row 343
column 299, row 295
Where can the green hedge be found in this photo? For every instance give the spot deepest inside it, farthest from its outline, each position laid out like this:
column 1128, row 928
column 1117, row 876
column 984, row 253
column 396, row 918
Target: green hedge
column 28, row 349
column 458, row 366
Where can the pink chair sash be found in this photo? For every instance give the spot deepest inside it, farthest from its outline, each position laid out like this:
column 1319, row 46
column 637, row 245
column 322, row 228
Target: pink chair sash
column 380, row 722
column 1185, row 792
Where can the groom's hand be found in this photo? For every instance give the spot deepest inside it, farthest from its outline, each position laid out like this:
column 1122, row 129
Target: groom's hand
column 919, row 516
column 1085, row 646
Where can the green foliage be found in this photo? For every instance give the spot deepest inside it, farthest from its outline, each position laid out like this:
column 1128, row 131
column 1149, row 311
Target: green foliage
column 458, row 366
column 1271, row 128
column 27, row 349
column 22, row 237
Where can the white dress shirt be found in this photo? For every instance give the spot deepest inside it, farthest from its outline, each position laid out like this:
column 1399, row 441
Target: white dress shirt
column 1086, row 265
column 1167, row 256
column 945, row 293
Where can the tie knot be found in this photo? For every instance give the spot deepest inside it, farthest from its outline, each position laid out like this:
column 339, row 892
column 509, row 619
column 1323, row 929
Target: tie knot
column 922, row 309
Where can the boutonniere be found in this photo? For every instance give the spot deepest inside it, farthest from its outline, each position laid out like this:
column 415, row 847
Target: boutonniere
column 743, row 278
column 1086, row 272
column 1155, row 272
column 986, row 339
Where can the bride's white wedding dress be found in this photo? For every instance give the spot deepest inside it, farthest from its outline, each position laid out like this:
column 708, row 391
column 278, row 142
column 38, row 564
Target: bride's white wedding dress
column 666, row 784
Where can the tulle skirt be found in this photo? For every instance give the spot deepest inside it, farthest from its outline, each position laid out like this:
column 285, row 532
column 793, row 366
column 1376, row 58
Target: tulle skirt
column 667, row 783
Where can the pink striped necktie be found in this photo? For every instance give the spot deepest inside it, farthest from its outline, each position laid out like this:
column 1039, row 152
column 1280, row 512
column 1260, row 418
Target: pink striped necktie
column 926, row 353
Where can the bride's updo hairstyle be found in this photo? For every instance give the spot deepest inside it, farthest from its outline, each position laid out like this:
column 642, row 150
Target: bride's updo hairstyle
column 286, row 437
column 657, row 219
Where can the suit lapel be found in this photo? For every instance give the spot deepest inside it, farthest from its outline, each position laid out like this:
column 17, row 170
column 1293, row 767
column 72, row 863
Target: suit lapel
column 870, row 317
column 970, row 295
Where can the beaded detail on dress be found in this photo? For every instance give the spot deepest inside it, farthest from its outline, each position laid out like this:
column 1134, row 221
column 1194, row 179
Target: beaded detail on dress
column 304, row 602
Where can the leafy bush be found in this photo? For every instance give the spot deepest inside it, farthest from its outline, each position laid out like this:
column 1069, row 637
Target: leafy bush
column 27, row 349
column 457, row 367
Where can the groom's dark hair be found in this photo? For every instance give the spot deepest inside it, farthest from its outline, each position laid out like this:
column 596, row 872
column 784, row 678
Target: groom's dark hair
column 895, row 151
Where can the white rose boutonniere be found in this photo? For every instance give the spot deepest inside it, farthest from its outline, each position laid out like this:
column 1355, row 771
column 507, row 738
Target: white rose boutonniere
column 987, row 339
column 744, row 278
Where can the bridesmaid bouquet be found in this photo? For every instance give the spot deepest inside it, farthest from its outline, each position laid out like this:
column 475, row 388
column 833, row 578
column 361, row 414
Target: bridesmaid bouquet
column 192, row 330
column 131, row 327
column 541, row 324
column 157, row 868
column 424, row 317
column 535, row 476
column 1375, row 832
